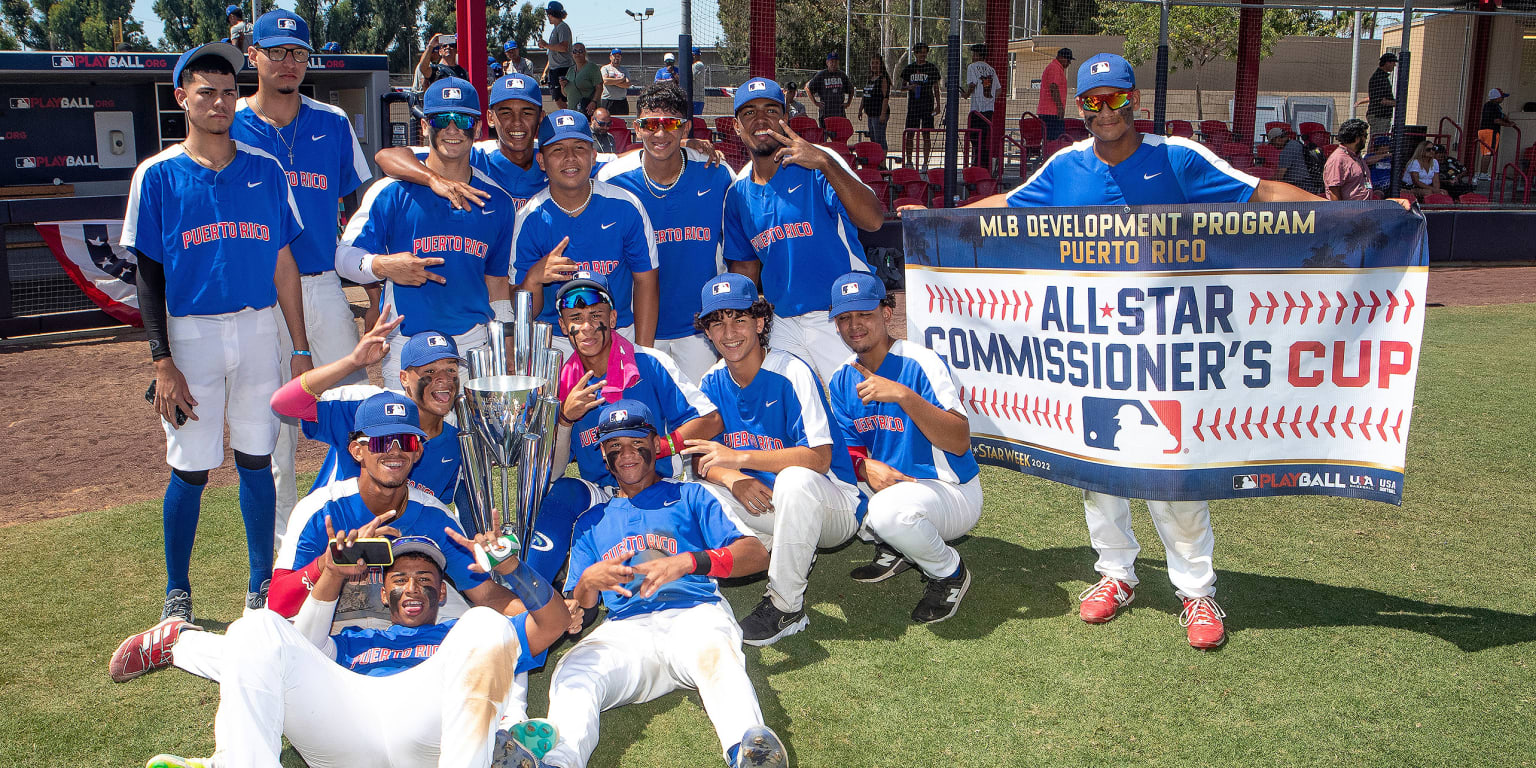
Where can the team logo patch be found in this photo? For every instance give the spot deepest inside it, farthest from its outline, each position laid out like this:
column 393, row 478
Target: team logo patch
column 719, row 288
column 394, row 409
column 286, row 24
column 1098, row 68
column 436, row 341
column 757, row 86
column 1245, row 482
column 1146, row 428
column 583, row 275
column 850, row 289
column 453, row 93
column 516, row 82
column 564, row 121
column 618, row 416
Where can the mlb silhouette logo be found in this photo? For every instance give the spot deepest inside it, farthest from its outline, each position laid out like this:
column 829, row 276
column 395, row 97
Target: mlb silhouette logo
column 26, row 162
column 1098, row 68
column 516, row 82
column 1139, row 427
column 286, row 24
column 66, row 62
column 1245, row 482
column 618, row 416
column 719, row 288
column 757, row 86
column 564, row 121
column 850, row 289
column 582, row 275
column 453, row 93
column 436, row 341
column 21, row 103
column 394, row 409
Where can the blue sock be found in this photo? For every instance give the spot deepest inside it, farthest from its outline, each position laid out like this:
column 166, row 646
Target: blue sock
column 956, row 574
column 258, row 507
column 730, row 755
column 183, row 502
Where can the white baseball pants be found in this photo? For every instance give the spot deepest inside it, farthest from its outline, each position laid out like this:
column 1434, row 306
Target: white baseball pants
column 812, row 337
column 917, row 518
column 1184, row 526
column 693, row 355
column 332, row 336
column 634, row 660
column 474, row 337
column 230, row 364
column 442, row 712
column 809, row 511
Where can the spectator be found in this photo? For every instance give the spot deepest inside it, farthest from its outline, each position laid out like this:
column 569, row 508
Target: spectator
column 1052, row 107
column 1453, row 175
column 439, row 60
column 615, row 84
column 920, row 79
column 792, row 108
column 494, row 67
column 876, row 104
column 830, row 90
column 1345, row 176
column 583, row 79
column 516, row 63
column 1379, row 110
column 602, row 140
column 1422, row 176
column 239, row 29
column 1292, row 167
column 559, row 47
column 668, row 69
column 981, row 88
column 1488, row 131
column 700, row 81
column 332, row 47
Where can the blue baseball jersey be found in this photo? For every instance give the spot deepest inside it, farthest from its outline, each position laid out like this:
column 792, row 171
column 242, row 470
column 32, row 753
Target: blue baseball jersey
column 687, row 219
column 398, row 216
column 327, row 164
column 663, row 520
column 1163, row 170
column 798, row 228
column 886, row 430
column 383, row 652
column 783, row 407
column 217, row 233
column 672, row 397
column 521, row 183
column 612, row 236
column 437, row 472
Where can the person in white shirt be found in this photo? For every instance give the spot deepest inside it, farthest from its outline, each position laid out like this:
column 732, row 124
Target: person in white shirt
column 981, row 87
column 1422, row 176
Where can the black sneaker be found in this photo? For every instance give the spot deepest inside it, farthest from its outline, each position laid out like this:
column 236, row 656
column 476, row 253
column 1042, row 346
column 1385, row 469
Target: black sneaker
column 178, row 605
column 942, row 597
column 766, row 624
column 887, row 563
column 255, row 601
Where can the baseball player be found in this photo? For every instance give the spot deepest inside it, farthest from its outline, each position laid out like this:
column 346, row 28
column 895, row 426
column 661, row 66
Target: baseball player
column 605, row 368
column 445, row 268
column 910, row 442
column 447, row 683
column 790, row 221
column 602, row 227
column 314, row 143
column 779, row 468
column 684, row 198
column 1119, row 166
column 210, row 220
column 651, row 556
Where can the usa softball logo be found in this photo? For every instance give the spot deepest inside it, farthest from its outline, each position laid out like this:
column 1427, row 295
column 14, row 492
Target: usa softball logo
column 453, row 93
column 286, row 24
column 564, row 121
column 1098, row 68
column 394, row 409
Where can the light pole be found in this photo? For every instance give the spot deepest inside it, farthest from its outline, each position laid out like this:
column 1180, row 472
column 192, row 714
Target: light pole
column 641, row 16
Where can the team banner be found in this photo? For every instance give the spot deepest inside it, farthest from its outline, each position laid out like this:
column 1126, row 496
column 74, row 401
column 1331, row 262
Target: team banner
column 106, row 271
column 1180, row 352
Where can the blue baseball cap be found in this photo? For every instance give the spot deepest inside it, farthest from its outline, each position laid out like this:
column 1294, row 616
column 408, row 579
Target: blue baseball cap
column 418, row 545
column 833, row 55
column 1106, row 70
column 387, row 413
column 451, row 94
column 619, row 51
column 511, row 45
column 856, row 292
column 758, row 88
column 427, row 347
column 233, row 9
column 554, row 7
column 728, row 291
column 331, row 48
column 696, row 50
column 281, row 27
column 561, row 125
column 515, row 86
column 225, row 51
column 625, row 418
column 584, row 279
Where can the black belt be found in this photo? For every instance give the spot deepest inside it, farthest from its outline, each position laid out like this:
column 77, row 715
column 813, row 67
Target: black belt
column 311, row 274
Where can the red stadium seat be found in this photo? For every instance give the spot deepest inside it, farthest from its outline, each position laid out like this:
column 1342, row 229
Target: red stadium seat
column 1472, row 198
column 838, row 129
column 1269, row 154
column 1052, row 147
column 1075, row 129
column 700, row 129
column 1281, row 124
column 735, row 153
column 875, row 181
column 870, row 154
column 1439, row 198
column 1180, row 128
column 807, row 128
column 1309, row 128
column 984, row 188
column 1143, row 126
column 725, row 128
column 1031, row 138
column 936, row 187
column 903, row 202
column 908, row 182
column 1215, row 132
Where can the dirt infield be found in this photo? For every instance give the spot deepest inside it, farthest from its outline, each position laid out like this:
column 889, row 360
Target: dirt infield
column 81, row 437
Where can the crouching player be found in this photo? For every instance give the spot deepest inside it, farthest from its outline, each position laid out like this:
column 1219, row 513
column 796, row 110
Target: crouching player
column 911, row 443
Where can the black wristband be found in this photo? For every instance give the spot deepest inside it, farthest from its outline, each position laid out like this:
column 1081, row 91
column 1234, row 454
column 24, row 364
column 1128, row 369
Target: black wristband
column 701, row 563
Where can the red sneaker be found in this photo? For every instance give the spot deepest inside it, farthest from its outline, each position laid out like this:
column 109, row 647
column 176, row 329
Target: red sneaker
column 1202, row 616
column 1102, row 601
column 147, row 651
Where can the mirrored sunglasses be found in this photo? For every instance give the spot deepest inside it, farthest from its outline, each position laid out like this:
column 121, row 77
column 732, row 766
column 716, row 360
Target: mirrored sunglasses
column 1116, row 100
column 583, row 297
column 660, row 123
column 381, row 444
column 442, row 120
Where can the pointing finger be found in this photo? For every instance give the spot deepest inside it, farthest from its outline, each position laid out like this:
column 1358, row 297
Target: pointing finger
column 858, row 366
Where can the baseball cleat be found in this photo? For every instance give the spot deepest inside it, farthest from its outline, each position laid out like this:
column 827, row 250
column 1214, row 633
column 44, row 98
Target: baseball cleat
column 766, row 624
column 761, row 748
column 942, row 597
column 538, row 735
column 1202, row 619
column 1103, row 601
column 887, row 563
column 255, row 601
column 509, row 753
column 178, row 605
column 147, row 651
column 172, row 761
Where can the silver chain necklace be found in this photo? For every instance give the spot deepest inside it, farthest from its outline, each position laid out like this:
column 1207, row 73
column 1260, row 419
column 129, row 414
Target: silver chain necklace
column 577, row 212
column 279, row 132
column 657, row 190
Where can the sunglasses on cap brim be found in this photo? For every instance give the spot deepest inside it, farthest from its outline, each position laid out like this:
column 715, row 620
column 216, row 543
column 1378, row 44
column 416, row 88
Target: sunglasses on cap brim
column 583, row 297
column 381, row 444
column 442, row 120
column 1116, row 100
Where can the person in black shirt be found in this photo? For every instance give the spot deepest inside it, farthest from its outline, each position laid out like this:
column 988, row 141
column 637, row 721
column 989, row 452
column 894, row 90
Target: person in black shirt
column 1378, row 113
column 1488, row 131
column 830, row 90
column 876, row 104
column 920, row 79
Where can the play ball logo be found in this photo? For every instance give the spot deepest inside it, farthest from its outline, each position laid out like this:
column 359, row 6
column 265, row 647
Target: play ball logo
column 719, row 288
column 436, row 341
column 394, row 409
column 757, row 86
column 850, row 289
column 453, row 93
column 287, row 24
column 564, row 121
column 618, row 416
column 1098, row 68
column 1145, row 428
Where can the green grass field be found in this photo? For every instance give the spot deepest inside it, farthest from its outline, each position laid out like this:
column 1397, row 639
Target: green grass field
column 1361, row 633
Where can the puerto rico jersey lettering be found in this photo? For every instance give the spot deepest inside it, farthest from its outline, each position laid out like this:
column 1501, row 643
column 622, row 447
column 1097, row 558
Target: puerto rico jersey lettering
column 670, row 395
column 216, row 233
column 327, row 164
column 687, row 220
column 383, row 652
column 886, row 430
column 798, row 228
column 1162, row 171
column 437, row 472
column 398, row 216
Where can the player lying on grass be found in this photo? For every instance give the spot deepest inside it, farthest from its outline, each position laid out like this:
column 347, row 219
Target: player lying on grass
column 446, row 683
column 651, row 556
column 779, row 469
column 899, row 413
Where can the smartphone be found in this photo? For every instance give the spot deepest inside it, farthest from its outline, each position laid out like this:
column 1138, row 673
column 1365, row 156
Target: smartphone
column 373, row 551
column 149, row 394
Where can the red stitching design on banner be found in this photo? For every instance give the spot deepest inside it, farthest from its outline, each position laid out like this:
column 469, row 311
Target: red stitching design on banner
column 1302, row 300
column 1002, row 404
column 1224, row 420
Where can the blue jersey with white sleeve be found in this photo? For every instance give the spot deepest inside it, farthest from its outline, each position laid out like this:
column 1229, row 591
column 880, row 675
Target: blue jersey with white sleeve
column 612, row 236
column 383, row 652
column 398, row 216
column 800, row 231
column 886, row 430
column 687, row 219
column 1163, row 170
column 782, row 407
column 217, row 233
column 327, row 164
column 437, row 472
column 672, row 397
column 665, row 519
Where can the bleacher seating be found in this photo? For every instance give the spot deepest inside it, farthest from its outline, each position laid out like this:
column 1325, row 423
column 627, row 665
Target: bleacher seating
column 869, row 155
column 1182, row 128
column 838, row 129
